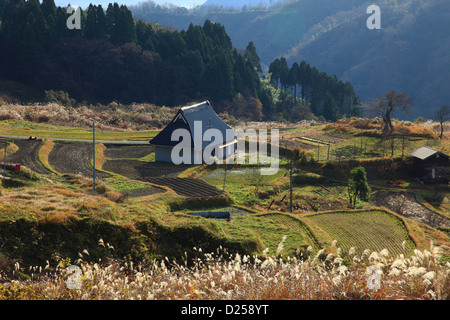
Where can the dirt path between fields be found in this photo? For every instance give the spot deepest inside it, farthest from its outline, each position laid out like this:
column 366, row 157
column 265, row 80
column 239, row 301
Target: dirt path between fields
column 27, row 155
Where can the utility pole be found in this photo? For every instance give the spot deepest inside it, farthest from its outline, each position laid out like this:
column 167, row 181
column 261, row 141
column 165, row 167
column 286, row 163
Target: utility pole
column 318, row 149
column 290, row 187
column 225, row 176
column 328, row 153
column 434, row 174
column 403, row 145
column 93, row 144
column 4, row 166
column 361, row 142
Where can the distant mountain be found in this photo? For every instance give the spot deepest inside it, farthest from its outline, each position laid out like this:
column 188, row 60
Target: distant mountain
column 410, row 53
column 239, row 3
column 274, row 32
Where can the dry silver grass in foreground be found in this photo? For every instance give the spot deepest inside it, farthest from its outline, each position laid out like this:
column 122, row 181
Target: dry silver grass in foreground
column 219, row 276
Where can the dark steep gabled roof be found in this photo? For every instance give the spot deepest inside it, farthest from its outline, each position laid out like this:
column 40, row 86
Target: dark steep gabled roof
column 164, row 137
column 186, row 118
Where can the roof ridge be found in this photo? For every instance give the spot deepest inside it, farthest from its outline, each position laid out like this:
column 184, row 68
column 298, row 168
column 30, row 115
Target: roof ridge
column 424, row 152
column 428, row 148
column 189, row 108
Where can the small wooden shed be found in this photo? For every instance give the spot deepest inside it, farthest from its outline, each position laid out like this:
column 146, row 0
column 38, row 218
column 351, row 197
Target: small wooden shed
column 430, row 165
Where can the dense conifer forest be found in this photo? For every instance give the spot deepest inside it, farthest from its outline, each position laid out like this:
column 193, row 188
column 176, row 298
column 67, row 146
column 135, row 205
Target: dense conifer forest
column 114, row 57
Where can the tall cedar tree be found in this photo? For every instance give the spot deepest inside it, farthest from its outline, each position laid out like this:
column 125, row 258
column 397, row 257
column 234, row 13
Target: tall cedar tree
column 326, row 95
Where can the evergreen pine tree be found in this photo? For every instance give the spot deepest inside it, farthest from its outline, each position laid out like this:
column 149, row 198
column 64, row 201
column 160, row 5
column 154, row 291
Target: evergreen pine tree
column 252, row 56
column 330, row 110
column 90, row 26
column 102, row 27
column 293, row 77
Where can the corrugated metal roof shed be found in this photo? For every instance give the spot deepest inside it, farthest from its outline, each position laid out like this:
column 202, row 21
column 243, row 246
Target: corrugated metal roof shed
column 424, row 153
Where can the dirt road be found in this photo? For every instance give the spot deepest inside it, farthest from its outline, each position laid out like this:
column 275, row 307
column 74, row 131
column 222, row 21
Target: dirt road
column 28, row 155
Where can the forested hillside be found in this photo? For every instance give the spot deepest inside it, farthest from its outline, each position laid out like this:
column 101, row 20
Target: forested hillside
column 274, row 30
column 240, row 3
column 408, row 54
column 326, row 95
column 116, row 58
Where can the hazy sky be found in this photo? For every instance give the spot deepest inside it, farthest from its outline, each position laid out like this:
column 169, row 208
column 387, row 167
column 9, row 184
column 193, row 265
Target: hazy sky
column 85, row 3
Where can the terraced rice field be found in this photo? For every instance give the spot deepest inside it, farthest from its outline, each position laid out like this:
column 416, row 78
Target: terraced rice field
column 373, row 230
column 294, row 224
column 113, row 151
column 73, row 158
column 187, row 187
column 163, row 174
column 269, row 229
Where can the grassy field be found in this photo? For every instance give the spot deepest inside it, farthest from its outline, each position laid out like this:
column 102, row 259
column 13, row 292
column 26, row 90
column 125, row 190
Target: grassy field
column 246, row 185
column 361, row 139
column 374, row 230
column 269, row 229
column 41, row 130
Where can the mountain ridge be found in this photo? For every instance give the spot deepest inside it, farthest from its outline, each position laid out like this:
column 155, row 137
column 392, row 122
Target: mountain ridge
column 239, row 3
column 407, row 54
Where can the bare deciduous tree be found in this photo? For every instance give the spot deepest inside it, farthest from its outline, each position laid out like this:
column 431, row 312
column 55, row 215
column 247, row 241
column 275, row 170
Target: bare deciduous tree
column 442, row 115
column 388, row 103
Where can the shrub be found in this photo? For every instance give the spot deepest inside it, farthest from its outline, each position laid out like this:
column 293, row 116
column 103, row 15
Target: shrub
column 200, row 203
column 419, row 120
column 101, row 188
column 328, row 166
column 43, row 118
column 5, row 116
column 60, row 97
column 358, row 186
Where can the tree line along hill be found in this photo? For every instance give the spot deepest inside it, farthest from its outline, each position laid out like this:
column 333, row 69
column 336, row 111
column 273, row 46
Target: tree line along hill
column 114, row 57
